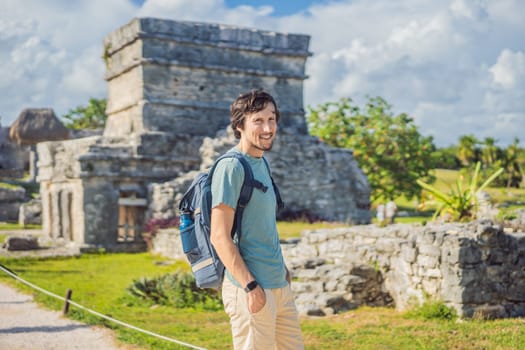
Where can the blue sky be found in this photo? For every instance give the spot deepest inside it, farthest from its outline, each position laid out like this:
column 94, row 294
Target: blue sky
column 456, row 66
column 280, row 8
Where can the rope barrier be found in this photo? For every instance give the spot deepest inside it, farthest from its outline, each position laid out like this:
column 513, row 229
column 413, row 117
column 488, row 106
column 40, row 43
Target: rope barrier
column 160, row 336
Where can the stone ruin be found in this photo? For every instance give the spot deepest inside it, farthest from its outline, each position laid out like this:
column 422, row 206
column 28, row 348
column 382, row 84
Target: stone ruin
column 11, row 166
column 13, row 160
column 170, row 85
column 18, row 157
column 32, row 126
column 476, row 268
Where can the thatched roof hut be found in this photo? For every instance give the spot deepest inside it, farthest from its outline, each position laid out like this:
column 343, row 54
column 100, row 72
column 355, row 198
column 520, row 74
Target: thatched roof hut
column 37, row 125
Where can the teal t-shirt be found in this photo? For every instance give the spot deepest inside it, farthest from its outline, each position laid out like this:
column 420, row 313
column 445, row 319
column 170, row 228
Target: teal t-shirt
column 259, row 246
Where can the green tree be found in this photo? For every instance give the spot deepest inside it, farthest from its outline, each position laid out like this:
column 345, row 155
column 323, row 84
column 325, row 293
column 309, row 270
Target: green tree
column 489, row 153
column 511, row 164
column 446, row 158
column 467, row 149
column 387, row 147
column 92, row 116
column 494, row 157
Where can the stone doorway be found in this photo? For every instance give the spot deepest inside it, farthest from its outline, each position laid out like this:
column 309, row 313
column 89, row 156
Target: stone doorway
column 131, row 212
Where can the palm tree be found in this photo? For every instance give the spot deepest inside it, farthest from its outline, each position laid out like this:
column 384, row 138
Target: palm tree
column 489, row 152
column 512, row 166
column 467, row 150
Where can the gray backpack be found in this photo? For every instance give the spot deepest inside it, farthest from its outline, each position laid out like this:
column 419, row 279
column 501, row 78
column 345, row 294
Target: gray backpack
column 205, row 264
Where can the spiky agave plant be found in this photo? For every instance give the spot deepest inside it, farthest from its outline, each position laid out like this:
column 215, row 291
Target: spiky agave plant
column 460, row 204
column 175, row 289
column 148, row 289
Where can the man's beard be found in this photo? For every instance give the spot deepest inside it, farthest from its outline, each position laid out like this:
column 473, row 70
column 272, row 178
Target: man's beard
column 264, row 149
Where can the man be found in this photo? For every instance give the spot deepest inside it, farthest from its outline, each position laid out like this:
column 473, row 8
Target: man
column 256, row 289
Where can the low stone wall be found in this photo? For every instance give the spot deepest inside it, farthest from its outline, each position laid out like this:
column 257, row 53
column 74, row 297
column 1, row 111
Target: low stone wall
column 30, row 213
column 167, row 243
column 476, row 268
column 11, row 198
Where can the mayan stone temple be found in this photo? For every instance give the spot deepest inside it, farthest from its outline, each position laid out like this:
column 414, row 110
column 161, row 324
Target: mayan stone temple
column 170, row 85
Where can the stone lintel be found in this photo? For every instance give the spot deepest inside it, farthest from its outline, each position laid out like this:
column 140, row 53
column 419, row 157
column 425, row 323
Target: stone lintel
column 218, row 35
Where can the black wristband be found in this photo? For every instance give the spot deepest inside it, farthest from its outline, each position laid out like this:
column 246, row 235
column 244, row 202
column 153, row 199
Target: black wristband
column 251, row 286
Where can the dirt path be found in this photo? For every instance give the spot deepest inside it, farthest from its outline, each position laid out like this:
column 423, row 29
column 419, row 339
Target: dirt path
column 26, row 326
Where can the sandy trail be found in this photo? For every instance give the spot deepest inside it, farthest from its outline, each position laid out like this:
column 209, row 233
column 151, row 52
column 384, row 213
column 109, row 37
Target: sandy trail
column 26, row 326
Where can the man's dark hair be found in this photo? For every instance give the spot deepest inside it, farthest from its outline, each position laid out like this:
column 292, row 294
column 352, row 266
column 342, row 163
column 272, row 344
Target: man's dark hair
column 248, row 103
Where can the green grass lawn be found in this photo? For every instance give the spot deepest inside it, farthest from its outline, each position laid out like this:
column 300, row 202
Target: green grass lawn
column 100, row 281
column 289, row 229
column 10, row 226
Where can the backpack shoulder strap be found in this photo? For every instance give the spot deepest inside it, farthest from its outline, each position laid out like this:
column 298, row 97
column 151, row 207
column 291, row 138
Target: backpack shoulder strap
column 246, row 189
column 280, row 203
column 246, row 194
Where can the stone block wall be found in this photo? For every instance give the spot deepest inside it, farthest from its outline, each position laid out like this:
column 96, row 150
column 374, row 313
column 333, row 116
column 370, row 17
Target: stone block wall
column 11, row 198
column 476, row 268
column 323, row 182
column 82, row 181
column 14, row 159
column 163, row 74
column 30, row 213
column 314, row 179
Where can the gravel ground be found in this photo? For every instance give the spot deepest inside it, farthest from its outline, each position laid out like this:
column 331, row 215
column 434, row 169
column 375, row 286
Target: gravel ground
column 26, row 326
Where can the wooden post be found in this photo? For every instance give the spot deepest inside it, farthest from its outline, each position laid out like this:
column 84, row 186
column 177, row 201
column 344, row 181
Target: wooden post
column 66, row 302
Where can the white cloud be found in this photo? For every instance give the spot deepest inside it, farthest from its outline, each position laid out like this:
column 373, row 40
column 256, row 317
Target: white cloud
column 430, row 62
column 181, row 9
column 51, row 52
column 509, row 70
column 510, row 12
column 456, row 66
column 504, row 122
column 470, row 9
column 208, row 11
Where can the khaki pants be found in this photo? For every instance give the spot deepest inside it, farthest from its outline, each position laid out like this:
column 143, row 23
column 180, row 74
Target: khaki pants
column 275, row 326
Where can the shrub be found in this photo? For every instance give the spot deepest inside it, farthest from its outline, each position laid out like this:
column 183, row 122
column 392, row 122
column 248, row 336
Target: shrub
column 151, row 228
column 432, row 310
column 153, row 225
column 177, row 290
column 506, row 214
